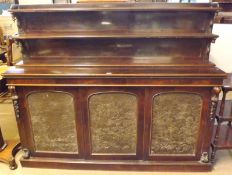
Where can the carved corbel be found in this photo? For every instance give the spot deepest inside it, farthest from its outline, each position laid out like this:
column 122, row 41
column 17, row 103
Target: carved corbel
column 213, row 40
column 16, row 19
column 214, row 101
column 211, row 27
column 15, row 98
column 13, row 17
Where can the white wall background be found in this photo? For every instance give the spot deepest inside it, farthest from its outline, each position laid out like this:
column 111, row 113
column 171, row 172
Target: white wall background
column 221, row 51
column 35, row 1
column 192, row 1
column 39, row 1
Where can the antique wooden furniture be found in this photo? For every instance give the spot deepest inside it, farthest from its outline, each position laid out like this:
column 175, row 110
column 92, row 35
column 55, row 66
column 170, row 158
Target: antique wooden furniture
column 116, row 85
column 225, row 14
column 3, row 61
column 3, row 87
column 3, row 49
column 8, row 150
column 223, row 129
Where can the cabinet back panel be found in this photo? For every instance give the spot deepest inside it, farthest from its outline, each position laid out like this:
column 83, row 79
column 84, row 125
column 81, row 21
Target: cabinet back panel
column 108, row 48
column 122, row 21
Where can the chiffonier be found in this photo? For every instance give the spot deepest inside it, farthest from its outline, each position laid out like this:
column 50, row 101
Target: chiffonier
column 115, row 85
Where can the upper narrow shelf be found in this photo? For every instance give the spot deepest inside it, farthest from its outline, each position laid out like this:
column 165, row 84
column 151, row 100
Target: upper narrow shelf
column 227, row 113
column 115, row 7
column 71, row 35
column 225, row 137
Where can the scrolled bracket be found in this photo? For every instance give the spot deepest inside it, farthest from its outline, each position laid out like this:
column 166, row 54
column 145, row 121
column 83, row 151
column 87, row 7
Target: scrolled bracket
column 26, row 154
column 213, row 40
column 13, row 17
column 15, row 101
column 214, row 101
column 9, row 43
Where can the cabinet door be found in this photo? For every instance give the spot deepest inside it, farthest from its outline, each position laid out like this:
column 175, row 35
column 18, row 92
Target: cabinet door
column 114, row 118
column 52, row 121
column 174, row 122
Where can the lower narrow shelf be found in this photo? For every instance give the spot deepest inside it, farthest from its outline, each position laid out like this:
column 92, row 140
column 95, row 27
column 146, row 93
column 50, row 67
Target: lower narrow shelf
column 225, row 137
column 227, row 113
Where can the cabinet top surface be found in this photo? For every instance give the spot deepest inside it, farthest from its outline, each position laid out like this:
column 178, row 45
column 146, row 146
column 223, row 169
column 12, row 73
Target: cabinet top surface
column 115, row 72
column 129, row 6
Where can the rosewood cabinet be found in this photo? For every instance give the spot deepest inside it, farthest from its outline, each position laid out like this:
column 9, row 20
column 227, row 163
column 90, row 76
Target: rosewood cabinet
column 115, row 85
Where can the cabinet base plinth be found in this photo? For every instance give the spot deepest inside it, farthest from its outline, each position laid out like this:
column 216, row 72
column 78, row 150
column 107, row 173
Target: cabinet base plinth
column 117, row 165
